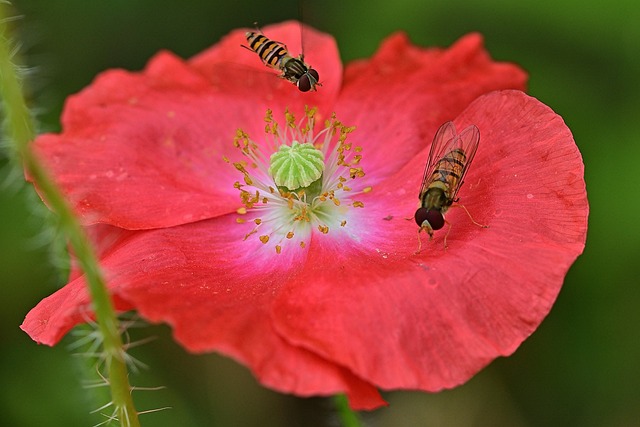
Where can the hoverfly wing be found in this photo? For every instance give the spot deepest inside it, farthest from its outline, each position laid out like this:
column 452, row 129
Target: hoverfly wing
column 442, row 143
column 468, row 141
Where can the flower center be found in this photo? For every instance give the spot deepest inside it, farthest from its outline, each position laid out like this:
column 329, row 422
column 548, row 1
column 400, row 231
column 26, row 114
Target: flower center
column 308, row 186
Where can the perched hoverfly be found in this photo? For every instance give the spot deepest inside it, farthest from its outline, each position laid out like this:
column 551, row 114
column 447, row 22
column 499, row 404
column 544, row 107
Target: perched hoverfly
column 450, row 156
column 275, row 55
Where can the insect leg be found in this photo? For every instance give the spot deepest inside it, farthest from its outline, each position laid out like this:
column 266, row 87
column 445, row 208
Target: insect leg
column 419, row 244
column 429, row 231
column 447, row 235
column 469, row 215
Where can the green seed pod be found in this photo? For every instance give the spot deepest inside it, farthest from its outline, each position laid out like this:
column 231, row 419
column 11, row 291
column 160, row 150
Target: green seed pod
column 296, row 166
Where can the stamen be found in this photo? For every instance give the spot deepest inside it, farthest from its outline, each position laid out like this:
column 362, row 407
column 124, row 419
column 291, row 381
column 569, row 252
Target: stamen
column 296, row 178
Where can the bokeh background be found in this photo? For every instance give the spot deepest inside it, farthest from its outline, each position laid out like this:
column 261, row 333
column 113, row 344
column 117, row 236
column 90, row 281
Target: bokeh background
column 582, row 366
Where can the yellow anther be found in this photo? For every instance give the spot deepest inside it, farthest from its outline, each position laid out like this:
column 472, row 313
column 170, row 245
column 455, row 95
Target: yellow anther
column 285, row 208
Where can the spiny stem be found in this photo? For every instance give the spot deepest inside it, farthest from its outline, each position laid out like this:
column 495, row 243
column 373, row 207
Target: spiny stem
column 348, row 417
column 19, row 130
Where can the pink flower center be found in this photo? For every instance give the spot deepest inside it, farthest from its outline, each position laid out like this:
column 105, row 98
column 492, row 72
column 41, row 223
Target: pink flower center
column 323, row 166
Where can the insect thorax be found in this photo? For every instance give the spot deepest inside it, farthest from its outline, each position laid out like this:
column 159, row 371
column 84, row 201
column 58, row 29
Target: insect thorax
column 436, row 197
column 294, row 67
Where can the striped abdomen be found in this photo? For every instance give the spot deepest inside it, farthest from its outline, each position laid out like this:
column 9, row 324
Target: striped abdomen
column 272, row 53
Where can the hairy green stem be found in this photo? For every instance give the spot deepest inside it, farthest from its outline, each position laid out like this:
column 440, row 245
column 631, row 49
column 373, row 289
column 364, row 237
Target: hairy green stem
column 19, row 130
column 348, row 417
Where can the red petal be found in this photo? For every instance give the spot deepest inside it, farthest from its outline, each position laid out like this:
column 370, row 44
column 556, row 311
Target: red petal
column 402, row 94
column 146, row 150
column 216, row 291
column 433, row 320
column 140, row 151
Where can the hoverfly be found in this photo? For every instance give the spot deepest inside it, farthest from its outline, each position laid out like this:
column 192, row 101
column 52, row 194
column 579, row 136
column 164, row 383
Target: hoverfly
column 275, row 55
column 450, row 156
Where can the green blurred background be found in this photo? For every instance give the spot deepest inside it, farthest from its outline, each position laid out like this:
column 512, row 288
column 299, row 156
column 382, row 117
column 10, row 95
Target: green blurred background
column 581, row 368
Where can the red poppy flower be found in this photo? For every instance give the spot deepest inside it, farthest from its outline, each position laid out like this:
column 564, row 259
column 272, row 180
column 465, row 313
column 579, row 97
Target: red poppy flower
column 321, row 291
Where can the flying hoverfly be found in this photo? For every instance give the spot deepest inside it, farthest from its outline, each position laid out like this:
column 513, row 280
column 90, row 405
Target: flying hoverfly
column 450, row 156
column 275, row 55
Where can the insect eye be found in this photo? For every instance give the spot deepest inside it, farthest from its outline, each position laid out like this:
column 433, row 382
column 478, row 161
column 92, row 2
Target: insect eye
column 434, row 218
column 304, row 84
column 314, row 74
